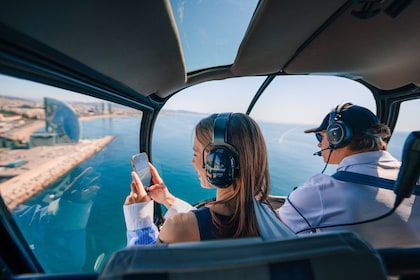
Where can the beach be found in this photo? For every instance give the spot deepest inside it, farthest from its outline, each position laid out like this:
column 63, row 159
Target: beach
column 44, row 165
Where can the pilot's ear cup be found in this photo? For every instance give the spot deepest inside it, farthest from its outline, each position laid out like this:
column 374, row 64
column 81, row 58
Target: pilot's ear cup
column 338, row 134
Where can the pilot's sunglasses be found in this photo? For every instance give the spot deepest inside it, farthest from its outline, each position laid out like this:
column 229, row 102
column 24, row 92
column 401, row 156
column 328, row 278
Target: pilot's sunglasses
column 318, row 136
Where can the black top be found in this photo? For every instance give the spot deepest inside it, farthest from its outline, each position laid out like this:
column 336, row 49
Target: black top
column 206, row 226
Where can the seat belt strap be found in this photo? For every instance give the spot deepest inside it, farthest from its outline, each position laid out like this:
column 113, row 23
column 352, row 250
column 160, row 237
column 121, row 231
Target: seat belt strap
column 369, row 180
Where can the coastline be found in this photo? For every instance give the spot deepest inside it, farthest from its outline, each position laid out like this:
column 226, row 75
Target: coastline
column 54, row 162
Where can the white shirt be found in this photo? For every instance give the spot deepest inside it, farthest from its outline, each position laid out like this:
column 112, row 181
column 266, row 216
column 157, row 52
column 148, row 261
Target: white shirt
column 323, row 200
column 139, row 220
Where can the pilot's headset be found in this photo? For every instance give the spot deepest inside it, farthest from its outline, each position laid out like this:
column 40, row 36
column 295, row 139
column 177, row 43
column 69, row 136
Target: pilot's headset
column 221, row 162
column 338, row 132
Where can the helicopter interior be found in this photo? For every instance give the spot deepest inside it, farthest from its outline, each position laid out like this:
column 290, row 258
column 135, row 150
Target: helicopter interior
column 134, row 53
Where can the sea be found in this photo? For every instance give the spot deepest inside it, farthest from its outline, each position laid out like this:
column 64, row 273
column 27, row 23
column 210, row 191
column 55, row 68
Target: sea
column 291, row 162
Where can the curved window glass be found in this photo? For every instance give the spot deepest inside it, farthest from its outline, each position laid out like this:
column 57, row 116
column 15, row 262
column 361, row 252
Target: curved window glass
column 65, row 172
column 407, row 122
column 174, row 131
column 65, row 157
column 207, row 28
column 287, row 107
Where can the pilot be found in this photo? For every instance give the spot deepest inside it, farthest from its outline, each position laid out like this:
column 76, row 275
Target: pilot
column 352, row 137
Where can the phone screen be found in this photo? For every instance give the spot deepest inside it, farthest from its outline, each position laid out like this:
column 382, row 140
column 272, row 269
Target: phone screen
column 140, row 164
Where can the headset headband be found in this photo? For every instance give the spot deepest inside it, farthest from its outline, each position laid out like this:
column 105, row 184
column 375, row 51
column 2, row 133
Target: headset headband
column 221, row 163
column 336, row 114
column 220, row 129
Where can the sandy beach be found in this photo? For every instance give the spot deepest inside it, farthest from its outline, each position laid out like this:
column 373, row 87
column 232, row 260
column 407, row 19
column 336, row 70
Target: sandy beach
column 44, row 166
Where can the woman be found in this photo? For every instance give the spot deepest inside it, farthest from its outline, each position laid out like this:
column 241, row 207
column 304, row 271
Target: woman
column 229, row 154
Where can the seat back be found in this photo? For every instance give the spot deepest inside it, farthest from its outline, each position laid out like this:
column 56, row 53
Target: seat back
column 338, row 255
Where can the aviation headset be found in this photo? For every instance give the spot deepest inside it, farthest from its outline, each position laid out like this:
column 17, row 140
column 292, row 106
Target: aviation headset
column 338, row 132
column 221, row 162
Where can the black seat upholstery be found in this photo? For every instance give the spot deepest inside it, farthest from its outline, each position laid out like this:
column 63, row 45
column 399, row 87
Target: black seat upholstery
column 340, row 255
column 402, row 262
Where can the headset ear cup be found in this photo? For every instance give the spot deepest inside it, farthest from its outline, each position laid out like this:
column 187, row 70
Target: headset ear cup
column 338, row 134
column 221, row 166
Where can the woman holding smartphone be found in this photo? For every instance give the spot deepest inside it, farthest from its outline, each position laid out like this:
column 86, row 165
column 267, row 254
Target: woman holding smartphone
column 230, row 155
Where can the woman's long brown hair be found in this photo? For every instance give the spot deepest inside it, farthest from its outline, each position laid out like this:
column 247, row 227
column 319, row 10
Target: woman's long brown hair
column 253, row 179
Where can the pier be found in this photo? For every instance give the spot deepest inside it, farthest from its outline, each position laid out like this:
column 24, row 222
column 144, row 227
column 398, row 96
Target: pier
column 44, row 165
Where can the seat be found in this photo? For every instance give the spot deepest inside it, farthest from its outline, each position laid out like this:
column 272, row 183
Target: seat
column 402, row 262
column 334, row 255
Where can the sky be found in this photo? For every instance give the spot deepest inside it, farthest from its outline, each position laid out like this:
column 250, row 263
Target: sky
column 208, row 34
column 284, row 97
column 10, row 86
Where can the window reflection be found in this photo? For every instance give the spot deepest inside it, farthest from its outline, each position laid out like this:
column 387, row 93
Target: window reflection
column 65, row 171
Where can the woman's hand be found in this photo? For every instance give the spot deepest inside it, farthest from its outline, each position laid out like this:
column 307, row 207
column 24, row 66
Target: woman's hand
column 138, row 193
column 158, row 190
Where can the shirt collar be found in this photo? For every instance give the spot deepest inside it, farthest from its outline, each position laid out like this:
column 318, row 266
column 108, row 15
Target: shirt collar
column 366, row 158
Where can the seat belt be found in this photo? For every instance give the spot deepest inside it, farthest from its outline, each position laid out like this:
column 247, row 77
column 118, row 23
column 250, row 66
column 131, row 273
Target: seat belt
column 369, row 180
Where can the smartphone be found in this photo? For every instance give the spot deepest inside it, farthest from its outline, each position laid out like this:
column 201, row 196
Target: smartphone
column 140, row 164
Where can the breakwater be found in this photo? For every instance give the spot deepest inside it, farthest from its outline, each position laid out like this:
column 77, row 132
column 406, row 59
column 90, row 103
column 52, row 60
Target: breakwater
column 45, row 166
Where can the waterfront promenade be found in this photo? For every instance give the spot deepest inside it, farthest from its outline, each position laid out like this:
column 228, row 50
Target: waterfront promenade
column 44, row 166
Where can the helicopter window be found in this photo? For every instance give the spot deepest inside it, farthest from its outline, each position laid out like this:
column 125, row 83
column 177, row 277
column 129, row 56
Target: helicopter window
column 292, row 104
column 53, row 130
column 406, row 123
column 204, row 26
column 189, row 106
column 65, row 165
column 287, row 107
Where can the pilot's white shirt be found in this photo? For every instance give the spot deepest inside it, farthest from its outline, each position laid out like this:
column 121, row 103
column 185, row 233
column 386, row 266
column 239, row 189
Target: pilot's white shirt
column 323, row 200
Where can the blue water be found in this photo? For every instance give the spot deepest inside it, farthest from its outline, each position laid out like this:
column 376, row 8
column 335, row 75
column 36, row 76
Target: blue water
column 291, row 163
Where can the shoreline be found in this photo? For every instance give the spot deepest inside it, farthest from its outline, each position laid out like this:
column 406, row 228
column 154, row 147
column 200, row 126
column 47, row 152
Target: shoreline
column 57, row 161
